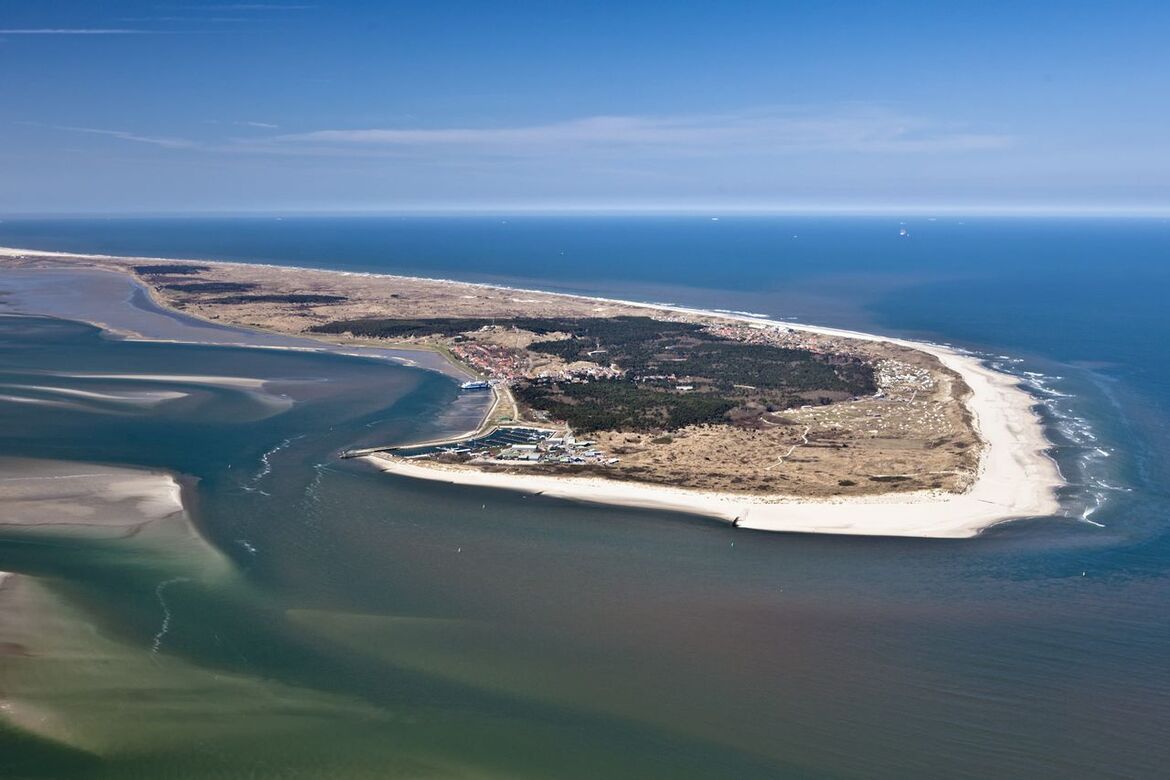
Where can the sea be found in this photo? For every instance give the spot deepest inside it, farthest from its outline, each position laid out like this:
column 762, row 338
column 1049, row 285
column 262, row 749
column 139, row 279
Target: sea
column 370, row 626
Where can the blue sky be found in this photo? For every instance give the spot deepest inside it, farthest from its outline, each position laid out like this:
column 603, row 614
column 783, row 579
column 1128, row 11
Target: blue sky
column 341, row 106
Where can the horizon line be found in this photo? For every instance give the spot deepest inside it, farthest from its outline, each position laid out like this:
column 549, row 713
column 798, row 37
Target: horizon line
column 586, row 209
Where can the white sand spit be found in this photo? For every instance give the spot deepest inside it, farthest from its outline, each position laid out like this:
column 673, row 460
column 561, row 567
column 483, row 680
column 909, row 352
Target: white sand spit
column 186, row 379
column 136, row 398
column 24, row 399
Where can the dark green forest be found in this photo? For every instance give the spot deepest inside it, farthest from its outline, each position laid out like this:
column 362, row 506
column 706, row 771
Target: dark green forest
column 676, row 373
column 280, row 298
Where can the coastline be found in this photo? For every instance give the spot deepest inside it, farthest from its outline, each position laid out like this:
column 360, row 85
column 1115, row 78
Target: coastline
column 1016, row 478
column 242, row 336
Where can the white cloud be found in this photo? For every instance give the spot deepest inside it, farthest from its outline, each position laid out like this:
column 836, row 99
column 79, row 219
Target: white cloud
column 864, row 130
column 76, row 31
column 248, row 7
column 153, row 19
column 168, row 143
column 875, row 132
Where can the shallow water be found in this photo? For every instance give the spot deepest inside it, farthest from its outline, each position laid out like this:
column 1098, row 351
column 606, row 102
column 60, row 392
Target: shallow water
column 374, row 626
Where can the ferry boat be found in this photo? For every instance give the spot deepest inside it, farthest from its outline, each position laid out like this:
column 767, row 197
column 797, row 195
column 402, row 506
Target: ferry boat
column 476, row 385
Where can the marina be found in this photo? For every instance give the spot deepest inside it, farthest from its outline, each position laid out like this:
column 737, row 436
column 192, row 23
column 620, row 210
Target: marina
column 513, row 445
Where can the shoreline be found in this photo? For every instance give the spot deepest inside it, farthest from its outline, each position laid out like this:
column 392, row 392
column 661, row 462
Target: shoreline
column 1016, row 477
column 311, row 344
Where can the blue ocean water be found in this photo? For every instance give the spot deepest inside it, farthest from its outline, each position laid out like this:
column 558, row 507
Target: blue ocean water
column 1036, row 650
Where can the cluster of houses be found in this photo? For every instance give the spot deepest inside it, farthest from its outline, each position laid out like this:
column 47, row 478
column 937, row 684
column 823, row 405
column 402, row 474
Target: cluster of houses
column 511, row 365
column 582, row 373
column 555, row 448
column 788, row 338
column 519, row 445
column 491, row 359
column 902, row 381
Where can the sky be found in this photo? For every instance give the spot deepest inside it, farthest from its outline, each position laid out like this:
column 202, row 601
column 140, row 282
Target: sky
column 188, row 106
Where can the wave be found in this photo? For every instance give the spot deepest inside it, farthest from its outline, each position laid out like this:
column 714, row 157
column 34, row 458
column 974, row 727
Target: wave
column 753, row 314
column 165, row 628
column 252, row 485
column 311, row 502
column 1077, row 442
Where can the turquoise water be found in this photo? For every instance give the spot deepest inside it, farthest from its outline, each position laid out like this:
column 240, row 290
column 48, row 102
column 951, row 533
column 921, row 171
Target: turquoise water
column 374, row 626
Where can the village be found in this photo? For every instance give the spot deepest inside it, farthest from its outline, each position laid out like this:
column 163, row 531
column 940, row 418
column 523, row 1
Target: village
column 511, row 362
column 516, row 445
column 780, row 336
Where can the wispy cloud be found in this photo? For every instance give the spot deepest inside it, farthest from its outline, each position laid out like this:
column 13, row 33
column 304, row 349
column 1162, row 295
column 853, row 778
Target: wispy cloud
column 239, row 7
column 242, row 123
column 266, row 7
column 864, row 130
column 185, row 19
column 759, row 135
column 76, row 31
column 123, row 135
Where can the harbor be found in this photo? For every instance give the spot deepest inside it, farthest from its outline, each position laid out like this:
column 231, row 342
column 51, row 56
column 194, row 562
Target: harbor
column 514, row 445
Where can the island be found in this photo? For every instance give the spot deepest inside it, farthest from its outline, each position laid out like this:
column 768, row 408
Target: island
column 765, row 424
